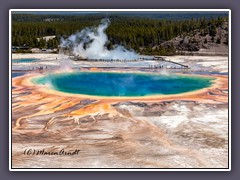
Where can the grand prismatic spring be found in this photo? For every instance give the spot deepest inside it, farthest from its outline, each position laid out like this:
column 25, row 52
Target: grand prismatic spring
column 123, row 84
column 111, row 115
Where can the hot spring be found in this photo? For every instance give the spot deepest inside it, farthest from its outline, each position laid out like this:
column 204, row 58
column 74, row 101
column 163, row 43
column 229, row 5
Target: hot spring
column 25, row 60
column 123, row 84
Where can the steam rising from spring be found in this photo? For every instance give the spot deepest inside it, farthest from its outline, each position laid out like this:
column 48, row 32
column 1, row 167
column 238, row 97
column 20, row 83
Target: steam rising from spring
column 91, row 43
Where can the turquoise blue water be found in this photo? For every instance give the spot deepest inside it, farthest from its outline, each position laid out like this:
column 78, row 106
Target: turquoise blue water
column 25, row 60
column 123, row 84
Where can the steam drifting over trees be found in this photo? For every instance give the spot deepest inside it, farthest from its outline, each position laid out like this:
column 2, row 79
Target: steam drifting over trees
column 142, row 34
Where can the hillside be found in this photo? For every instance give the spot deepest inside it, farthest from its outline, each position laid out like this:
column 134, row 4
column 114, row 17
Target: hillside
column 201, row 42
column 148, row 36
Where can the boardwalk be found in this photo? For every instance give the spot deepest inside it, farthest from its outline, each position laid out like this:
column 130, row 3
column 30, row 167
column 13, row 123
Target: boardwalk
column 143, row 63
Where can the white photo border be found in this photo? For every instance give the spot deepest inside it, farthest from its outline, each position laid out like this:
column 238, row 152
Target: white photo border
column 119, row 169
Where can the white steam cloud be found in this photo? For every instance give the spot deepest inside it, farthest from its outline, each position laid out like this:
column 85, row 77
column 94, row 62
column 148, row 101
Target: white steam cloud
column 91, row 43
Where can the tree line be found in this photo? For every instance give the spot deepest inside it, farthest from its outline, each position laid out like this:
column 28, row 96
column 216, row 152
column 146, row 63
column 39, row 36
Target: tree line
column 138, row 33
